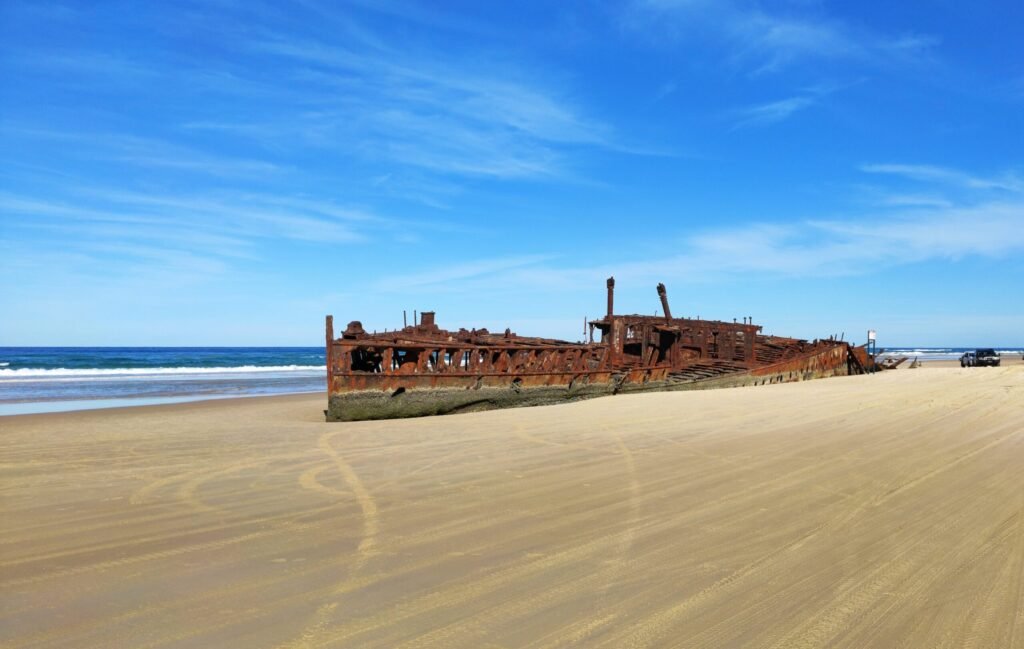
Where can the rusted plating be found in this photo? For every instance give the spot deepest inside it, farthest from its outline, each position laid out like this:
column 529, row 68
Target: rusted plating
column 632, row 348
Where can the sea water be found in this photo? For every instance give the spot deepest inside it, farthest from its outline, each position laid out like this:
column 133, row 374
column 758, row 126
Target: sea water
column 51, row 379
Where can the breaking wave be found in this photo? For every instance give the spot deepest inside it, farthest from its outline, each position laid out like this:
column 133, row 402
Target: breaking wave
column 29, row 373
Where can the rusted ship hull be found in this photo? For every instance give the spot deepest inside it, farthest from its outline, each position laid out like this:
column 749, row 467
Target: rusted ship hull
column 423, row 370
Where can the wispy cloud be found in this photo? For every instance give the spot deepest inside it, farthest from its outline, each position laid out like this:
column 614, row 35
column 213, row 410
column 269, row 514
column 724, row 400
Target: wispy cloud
column 782, row 109
column 933, row 227
column 768, row 41
column 944, row 175
column 83, row 68
column 989, row 229
column 363, row 96
column 121, row 231
column 441, row 114
column 772, row 112
column 908, row 230
column 438, row 279
column 145, row 152
column 836, row 248
column 438, row 115
column 414, row 186
column 914, row 200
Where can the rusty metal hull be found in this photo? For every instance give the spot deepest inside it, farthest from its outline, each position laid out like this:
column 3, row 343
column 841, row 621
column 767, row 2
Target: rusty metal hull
column 422, row 370
column 373, row 404
column 468, row 394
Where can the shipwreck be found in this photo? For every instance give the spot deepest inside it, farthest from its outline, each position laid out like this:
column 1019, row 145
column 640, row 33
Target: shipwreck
column 423, row 370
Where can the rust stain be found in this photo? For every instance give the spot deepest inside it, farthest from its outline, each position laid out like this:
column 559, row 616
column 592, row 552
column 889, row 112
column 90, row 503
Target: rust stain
column 631, row 353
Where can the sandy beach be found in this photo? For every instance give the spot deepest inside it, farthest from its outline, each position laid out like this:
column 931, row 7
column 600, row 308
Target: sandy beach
column 870, row 511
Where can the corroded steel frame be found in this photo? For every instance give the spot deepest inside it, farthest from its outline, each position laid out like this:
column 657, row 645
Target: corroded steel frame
column 423, row 369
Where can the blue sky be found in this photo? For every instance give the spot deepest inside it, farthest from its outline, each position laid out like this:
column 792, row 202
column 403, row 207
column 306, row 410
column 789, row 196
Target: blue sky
column 229, row 172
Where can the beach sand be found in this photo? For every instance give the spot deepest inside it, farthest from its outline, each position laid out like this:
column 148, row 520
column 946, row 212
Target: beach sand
column 872, row 511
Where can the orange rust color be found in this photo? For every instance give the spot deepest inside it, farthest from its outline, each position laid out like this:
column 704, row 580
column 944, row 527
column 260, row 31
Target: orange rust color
column 634, row 352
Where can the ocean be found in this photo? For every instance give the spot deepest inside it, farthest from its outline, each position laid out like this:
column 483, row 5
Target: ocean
column 944, row 353
column 51, row 379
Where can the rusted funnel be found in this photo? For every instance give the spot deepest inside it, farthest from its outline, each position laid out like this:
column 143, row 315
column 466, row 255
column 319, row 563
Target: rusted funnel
column 664, row 301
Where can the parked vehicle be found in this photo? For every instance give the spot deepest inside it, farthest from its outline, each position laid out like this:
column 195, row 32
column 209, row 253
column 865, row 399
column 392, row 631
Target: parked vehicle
column 986, row 357
column 967, row 360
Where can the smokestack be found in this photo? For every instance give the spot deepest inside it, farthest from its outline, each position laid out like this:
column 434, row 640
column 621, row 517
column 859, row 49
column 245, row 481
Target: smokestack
column 611, row 296
column 664, row 301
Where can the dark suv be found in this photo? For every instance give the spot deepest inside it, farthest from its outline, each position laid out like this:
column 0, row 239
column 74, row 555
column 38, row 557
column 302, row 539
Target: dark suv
column 986, row 357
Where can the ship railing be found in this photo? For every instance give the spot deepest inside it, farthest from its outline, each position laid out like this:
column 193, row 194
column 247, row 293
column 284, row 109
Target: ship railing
column 455, row 358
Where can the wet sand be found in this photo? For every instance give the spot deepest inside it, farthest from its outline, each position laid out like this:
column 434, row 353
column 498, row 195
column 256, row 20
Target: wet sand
column 875, row 511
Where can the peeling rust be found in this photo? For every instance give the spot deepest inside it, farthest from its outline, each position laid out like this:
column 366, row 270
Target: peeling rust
column 425, row 370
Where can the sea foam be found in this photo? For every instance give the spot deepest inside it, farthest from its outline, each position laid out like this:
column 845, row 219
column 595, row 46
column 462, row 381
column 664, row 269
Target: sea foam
column 35, row 374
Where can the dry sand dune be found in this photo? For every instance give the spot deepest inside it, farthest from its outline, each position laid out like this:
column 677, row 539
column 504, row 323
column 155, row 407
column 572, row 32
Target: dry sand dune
column 876, row 511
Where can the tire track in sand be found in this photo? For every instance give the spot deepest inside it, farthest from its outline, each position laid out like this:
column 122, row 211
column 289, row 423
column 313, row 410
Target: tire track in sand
column 308, row 480
column 164, row 554
column 371, row 520
column 618, row 564
column 601, row 580
column 1007, row 587
column 187, row 491
column 646, row 632
column 913, row 482
column 366, row 549
column 466, row 591
column 858, row 595
column 1017, row 623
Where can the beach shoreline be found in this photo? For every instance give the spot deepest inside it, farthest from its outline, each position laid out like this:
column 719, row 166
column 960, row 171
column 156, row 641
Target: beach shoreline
column 41, row 408
column 26, row 407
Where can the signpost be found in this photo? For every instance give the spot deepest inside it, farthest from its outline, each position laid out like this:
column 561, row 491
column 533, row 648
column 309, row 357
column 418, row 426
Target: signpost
column 872, row 347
